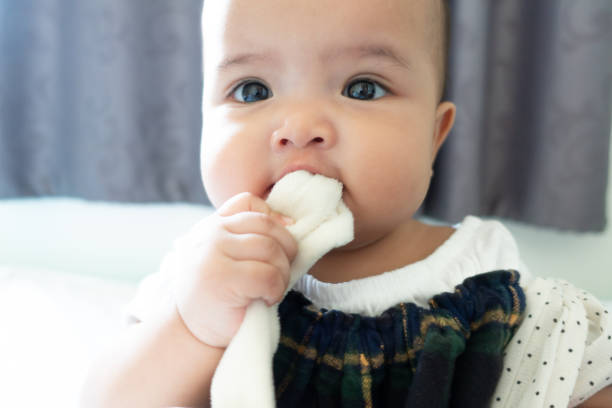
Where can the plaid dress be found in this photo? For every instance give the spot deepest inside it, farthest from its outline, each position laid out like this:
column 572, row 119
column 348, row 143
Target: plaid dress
column 450, row 354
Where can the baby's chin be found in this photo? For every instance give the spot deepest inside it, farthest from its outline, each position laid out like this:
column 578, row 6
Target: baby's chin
column 360, row 240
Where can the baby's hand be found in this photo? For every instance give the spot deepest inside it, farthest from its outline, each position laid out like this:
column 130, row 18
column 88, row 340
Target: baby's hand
column 240, row 253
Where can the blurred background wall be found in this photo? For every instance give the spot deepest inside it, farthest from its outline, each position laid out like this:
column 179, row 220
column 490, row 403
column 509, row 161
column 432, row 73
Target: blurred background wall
column 100, row 100
column 585, row 259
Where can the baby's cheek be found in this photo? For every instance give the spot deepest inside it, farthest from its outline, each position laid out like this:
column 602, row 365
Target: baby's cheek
column 392, row 196
column 222, row 168
column 229, row 176
column 217, row 179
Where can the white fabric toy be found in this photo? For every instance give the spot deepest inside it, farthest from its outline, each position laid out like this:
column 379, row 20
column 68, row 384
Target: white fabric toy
column 323, row 222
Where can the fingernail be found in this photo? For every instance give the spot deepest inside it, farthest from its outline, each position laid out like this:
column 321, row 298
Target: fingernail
column 283, row 219
column 287, row 220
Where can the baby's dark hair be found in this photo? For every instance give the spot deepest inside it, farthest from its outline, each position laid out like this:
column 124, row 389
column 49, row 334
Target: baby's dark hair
column 437, row 34
column 444, row 41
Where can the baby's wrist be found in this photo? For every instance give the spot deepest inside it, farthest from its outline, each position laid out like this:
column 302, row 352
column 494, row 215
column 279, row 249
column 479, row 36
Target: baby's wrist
column 178, row 324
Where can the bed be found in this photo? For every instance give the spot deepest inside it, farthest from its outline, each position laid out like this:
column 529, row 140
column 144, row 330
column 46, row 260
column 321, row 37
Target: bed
column 67, row 269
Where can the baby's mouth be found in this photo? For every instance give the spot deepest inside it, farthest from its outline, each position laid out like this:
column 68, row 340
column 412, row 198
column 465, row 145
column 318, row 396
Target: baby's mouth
column 267, row 192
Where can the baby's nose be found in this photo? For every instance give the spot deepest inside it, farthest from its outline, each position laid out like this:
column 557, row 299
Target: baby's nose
column 302, row 130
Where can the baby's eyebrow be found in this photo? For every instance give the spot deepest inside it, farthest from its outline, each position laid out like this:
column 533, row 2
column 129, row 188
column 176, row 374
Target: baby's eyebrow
column 353, row 51
column 366, row 51
column 243, row 59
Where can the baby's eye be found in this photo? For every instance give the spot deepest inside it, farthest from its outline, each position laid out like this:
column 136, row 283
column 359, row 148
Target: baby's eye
column 251, row 91
column 364, row 89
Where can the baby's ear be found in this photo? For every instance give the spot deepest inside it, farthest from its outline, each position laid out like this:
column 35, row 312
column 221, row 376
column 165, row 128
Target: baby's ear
column 445, row 118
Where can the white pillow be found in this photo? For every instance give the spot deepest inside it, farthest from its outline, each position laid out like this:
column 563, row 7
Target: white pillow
column 120, row 241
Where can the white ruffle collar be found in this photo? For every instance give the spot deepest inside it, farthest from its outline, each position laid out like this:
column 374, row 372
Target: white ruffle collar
column 477, row 246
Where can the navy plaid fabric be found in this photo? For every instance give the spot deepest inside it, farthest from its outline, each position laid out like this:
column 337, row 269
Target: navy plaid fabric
column 447, row 355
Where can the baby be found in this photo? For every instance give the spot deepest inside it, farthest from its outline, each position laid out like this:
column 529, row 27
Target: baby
column 351, row 90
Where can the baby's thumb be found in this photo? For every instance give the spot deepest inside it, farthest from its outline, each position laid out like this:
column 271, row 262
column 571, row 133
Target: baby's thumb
column 250, row 202
column 243, row 202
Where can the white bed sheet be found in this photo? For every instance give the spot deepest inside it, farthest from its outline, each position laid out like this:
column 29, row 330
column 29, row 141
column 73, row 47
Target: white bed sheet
column 53, row 325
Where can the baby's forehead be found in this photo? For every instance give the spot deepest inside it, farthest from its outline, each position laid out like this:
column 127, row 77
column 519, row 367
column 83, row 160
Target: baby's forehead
column 246, row 21
column 252, row 14
column 299, row 26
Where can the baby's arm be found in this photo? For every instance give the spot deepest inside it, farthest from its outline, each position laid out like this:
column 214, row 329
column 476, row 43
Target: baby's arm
column 239, row 254
column 603, row 399
column 155, row 363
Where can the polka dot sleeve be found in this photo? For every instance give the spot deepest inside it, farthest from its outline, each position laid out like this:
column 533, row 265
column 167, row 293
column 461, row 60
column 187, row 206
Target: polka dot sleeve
column 596, row 366
column 561, row 354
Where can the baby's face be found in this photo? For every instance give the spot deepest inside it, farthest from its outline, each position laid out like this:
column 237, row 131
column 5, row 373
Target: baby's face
column 344, row 88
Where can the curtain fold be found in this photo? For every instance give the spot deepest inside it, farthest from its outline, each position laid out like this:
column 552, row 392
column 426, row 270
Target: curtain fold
column 532, row 84
column 100, row 99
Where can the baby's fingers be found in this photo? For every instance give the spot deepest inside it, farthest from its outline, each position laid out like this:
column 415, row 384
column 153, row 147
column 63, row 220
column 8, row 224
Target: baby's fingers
column 261, row 224
column 260, row 280
column 244, row 202
column 255, row 247
column 258, row 248
column 247, row 202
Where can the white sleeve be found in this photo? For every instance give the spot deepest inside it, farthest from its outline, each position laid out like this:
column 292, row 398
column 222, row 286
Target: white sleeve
column 153, row 295
column 561, row 353
column 596, row 366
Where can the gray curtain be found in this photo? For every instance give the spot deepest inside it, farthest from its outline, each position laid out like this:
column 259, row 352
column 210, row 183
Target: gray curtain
column 100, row 99
column 532, row 82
